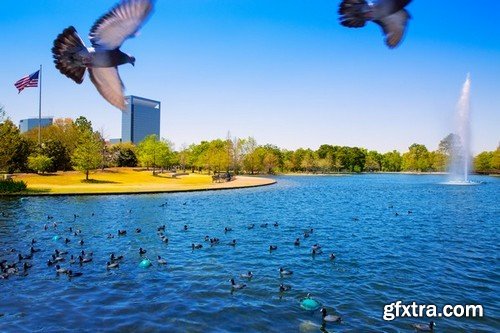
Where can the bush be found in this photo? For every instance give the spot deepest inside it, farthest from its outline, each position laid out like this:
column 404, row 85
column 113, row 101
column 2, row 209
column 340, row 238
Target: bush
column 12, row 186
column 40, row 163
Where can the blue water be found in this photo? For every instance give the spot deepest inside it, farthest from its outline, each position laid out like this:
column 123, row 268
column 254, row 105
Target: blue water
column 444, row 252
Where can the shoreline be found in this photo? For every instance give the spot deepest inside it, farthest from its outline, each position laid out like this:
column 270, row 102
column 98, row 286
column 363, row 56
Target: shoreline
column 124, row 183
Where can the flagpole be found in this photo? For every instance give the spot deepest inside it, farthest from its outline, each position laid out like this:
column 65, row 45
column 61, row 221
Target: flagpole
column 40, row 108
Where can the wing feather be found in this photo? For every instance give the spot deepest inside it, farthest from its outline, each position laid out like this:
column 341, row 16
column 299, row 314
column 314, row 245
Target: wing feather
column 394, row 27
column 108, row 83
column 121, row 22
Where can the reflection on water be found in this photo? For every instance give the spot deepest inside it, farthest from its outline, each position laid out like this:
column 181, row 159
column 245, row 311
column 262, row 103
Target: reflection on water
column 395, row 237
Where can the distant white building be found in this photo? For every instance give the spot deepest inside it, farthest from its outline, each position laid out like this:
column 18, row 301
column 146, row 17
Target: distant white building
column 26, row 124
column 140, row 119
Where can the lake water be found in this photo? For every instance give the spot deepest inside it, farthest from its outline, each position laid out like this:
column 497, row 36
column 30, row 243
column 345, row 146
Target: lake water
column 445, row 251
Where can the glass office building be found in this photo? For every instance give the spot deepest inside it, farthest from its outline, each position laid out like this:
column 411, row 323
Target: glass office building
column 26, row 124
column 140, row 119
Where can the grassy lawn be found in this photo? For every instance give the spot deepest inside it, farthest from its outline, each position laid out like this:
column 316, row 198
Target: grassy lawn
column 125, row 180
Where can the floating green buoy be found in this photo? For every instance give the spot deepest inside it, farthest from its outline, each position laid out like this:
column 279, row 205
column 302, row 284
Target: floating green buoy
column 56, row 238
column 145, row 263
column 309, row 304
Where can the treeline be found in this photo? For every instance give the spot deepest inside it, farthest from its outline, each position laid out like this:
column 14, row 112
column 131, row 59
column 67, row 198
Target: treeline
column 75, row 145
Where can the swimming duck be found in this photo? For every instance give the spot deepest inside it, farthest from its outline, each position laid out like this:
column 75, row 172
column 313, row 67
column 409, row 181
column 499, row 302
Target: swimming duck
column 49, row 263
column 196, row 246
column 226, row 229
column 33, row 250
column 276, row 224
column 316, row 247
column 83, row 260
column 81, row 242
column 161, row 261
column 251, row 226
column 185, row 227
column 284, row 272
column 27, row 265
column 142, row 251
column 425, row 327
column 122, row 232
column 207, row 238
column 248, row 275
column 45, row 227
column 164, row 239
column 285, row 287
column 306, row 234
column 72, row 259
column 33, row 241
column 297, row 242
column 161, row 228
column 330, row 318
column 111, row 236
column 57, row 259
column 110, row 265
column 263, row 225
column 316, row 251
column 60, row 252
column 138, row 230
column 332, row 256
column 236, row 286
column 233, row 242
column 67, row 240
column 72, row 274
column 114, row 258
column 273, row 247
column 60, row 270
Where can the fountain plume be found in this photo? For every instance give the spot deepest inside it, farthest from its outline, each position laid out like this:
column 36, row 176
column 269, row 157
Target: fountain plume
column 460, row 154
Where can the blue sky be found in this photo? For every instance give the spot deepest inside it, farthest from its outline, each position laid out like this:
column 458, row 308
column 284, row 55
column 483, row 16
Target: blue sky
column 284, row 72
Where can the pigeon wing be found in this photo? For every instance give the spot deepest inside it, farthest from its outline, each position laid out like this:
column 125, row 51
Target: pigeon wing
column 108, row 83
column 121, row 22
column 394, row 27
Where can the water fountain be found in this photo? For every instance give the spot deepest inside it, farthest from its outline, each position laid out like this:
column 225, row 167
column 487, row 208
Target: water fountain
column 460, row 161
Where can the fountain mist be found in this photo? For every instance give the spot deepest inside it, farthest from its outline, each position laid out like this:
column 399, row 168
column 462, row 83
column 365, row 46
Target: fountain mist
column 460, row 155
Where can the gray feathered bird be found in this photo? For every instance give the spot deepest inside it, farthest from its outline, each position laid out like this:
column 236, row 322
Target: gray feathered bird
column 389, row 14
column 72, row 57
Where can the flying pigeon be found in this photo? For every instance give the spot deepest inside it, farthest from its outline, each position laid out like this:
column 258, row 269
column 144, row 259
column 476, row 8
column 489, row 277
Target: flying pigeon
column 389, row 14
column 72, row 57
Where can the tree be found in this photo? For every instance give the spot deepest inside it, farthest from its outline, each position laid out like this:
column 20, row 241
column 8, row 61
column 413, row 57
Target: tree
column 83, row 124
column 417, row 158
column 392, row 161
column 123, row 155
column 3, row 113
column 146, row 151
column 373, row 161
column 39, row 163
column 448, row 144
column 495, row 160
column 482, row 162
column 57, row 152
column 87, row 155
column 9, row 142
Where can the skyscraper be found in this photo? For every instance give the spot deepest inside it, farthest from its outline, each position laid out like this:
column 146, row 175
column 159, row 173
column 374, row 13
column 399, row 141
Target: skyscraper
column 140, row 119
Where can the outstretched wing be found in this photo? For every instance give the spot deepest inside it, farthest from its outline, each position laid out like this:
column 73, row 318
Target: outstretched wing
column 353, row 13
column 108, row 83
column 394, row 27
column 120, row 23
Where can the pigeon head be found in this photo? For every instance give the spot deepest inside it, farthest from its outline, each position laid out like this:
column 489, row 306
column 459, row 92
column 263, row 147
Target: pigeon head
column 131, row 59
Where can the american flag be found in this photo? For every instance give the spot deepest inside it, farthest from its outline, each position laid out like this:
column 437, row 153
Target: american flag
column 27, row 81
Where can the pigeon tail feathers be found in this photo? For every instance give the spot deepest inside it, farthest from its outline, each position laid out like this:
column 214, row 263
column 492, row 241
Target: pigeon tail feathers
column 67, row 52
column 354, row 13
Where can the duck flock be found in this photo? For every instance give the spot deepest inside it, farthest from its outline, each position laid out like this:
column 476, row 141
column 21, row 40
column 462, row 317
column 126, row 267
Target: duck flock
column 70, row 257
